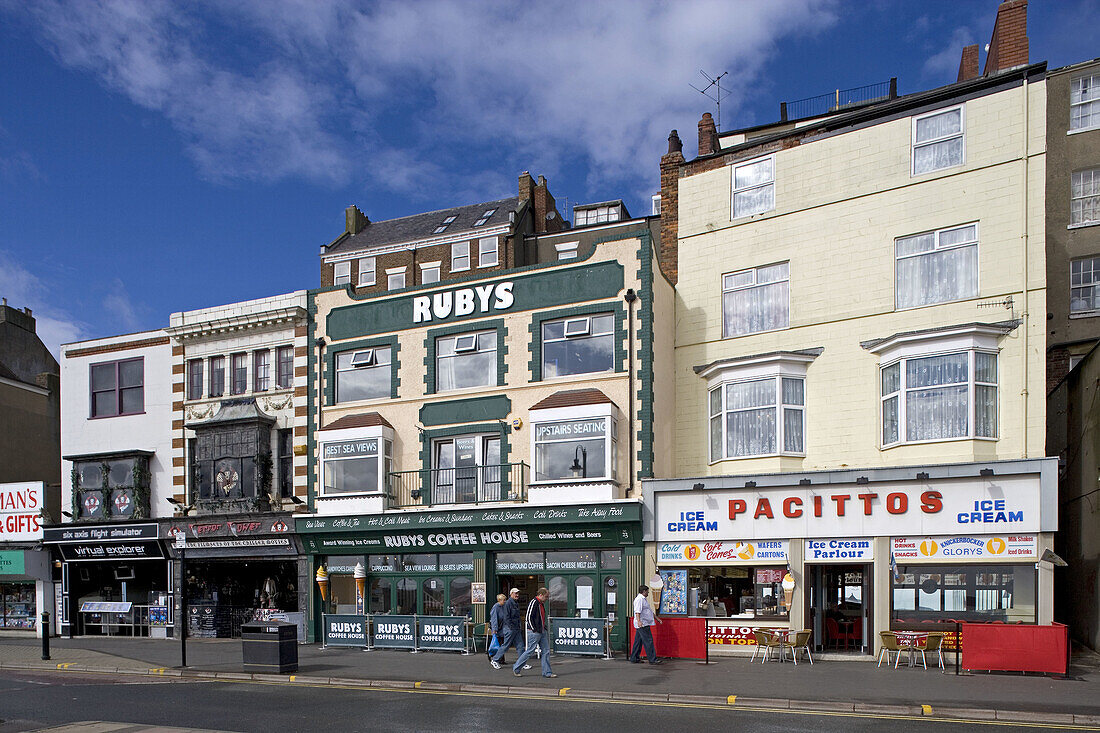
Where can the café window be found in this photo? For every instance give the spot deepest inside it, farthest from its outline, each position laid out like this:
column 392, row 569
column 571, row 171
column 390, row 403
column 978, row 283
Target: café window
column 980, row 593
column 736, row 592
column 363, row 375
column 355, row 466
column 583, row 345
column 577, row 449
column 466, row 360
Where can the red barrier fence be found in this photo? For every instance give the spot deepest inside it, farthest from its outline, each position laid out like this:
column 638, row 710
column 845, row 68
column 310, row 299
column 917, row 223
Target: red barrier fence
column 678, row 638
column 1015, row 647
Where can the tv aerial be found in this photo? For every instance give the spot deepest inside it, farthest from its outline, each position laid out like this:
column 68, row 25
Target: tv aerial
column 715, row 96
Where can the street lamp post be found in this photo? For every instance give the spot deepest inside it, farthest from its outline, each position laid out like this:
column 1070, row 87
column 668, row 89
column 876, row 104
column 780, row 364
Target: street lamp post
column 181, row 547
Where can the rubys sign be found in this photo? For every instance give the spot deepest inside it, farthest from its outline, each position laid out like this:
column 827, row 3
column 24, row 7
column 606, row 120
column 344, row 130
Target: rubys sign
column 1009, row 504
column 463, row 302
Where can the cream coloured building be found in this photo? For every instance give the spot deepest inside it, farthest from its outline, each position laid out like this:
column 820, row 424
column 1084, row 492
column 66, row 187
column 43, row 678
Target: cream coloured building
column 859, row 367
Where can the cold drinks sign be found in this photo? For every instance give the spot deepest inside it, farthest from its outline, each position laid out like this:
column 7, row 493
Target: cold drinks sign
column 20, row 511
column 972, row 505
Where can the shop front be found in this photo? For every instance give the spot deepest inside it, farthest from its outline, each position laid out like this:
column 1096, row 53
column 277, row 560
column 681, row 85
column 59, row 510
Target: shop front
column 25, row 587
column 913, row 549
column 113, row 577
column 454, row 563
column 238, row 568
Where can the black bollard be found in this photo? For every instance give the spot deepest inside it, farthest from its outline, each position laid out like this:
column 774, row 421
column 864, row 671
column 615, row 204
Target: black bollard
column 45, row 634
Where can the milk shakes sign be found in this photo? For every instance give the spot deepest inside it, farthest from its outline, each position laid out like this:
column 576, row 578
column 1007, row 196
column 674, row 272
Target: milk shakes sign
column 20, row 511
column 463, row 302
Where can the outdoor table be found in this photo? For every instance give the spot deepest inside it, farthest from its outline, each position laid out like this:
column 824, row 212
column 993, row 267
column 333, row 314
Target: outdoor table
column 784, row 636
column 911, row 641
column 846, row 626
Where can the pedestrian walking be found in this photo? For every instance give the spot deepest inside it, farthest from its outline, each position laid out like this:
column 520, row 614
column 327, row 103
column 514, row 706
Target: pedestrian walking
column 512, row 624
column 537, row 635
column 644, row 620
column 495, row 632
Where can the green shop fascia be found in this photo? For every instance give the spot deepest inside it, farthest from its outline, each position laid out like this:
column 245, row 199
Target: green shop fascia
column 454, row 563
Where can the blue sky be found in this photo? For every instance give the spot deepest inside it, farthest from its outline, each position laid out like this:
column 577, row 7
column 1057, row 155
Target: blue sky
column 159, row 156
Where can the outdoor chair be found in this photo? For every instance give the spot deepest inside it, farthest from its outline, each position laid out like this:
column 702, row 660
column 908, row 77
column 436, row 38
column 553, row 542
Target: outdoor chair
column 889, row 644
column 764, row 640
column 801, row 643
column 934, row 644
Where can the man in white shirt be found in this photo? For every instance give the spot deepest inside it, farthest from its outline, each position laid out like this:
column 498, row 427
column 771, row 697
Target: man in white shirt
column 643, row 632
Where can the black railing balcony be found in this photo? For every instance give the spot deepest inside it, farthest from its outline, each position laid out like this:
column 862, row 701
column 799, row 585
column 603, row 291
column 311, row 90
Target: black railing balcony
column 837, row 100
column 471, row 485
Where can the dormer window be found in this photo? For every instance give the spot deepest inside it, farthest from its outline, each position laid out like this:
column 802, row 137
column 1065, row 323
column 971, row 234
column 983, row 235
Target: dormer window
column 446, row 223
column 484, row 217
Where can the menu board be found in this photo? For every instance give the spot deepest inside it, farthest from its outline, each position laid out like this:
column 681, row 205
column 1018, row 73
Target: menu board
column 674, row 594
column 765, row 576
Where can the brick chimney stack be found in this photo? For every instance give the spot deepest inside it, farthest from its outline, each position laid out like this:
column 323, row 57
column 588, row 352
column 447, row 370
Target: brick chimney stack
column 968, row 65
column 547, row 218
column 1009, row 46
column 708, row 136
column 355, row 220
column 668, row 251
column 526, row 187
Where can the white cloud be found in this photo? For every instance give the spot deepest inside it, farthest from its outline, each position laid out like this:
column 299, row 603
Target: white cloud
column 330, row 90
column 944, row 66
column 23, row 289
column 120, row 307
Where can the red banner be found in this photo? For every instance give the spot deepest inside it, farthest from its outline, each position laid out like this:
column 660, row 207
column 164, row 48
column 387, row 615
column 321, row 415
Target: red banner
column 1015, row 647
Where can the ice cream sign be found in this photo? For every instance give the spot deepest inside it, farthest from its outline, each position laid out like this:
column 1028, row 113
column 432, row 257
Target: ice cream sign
column 1003, row 547
column 723, row 553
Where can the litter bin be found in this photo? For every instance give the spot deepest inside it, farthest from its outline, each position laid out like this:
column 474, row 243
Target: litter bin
column 270, row 646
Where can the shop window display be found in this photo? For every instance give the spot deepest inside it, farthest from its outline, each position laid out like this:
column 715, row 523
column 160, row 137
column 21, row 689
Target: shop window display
column 736, row 592
column 17, row 609
column 938, row 593
column 224, row 594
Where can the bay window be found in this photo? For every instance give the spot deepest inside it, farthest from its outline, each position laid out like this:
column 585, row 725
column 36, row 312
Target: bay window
column 757, row 417
column 356, row 466
column 756, row 300
column 936, row 267
column 466, row 360
column 939, row 397
column 576, row 449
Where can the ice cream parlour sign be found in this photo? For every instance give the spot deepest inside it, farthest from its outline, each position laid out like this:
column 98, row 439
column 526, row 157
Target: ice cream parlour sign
column 541, row 288
column 723, row 553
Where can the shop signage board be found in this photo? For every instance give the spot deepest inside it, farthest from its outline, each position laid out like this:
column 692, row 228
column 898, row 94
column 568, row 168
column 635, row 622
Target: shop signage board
column 447, row 540
column 852, row 549
column 736, row 635
column 539, row 289
column 20, row 511
column 11, row 562
column 394, row 632
column 499, row 518
column 977, row 547
column 199, row 529
column 100, row 533
column 1002, row 504
column 577, row 635
column 723, row 553
column 98, row 551
column 345, row 630
column 440, row 633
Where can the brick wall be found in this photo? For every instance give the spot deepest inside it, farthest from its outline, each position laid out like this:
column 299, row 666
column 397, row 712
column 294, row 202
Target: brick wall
column 1009, row 45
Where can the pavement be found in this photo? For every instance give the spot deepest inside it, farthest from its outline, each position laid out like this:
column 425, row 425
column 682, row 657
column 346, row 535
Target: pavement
column 828, row 685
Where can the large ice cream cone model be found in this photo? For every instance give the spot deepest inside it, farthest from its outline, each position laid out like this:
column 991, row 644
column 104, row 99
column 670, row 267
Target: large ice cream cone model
column 322, row 582
column 788, row 590
column 360, row 582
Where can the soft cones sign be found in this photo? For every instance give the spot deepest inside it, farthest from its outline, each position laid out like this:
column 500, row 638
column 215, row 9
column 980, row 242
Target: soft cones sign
column 21, row 511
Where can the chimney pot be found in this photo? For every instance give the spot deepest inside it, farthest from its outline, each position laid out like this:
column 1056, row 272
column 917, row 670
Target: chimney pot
column 674, row 144
column 708, row 135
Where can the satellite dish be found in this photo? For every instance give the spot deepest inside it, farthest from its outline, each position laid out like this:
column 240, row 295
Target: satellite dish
column 550, row 215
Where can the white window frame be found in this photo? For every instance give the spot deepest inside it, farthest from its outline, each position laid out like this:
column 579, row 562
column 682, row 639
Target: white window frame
column 483, row 260
column 460, row 256
column 786, row 365
column 363, row 359
column 735, row 190
column 466, row 348
column 1088, row 180
column 367, row 275
column 937, row 247
column 903, row 347
column 960, row 135
column 754, row 271
column 341, row 272
column 391, row 274
column 1077, row 281
column 384, row 455
column 1089, row 105
column 567, row 250
column 430, row 272
column 602, row 411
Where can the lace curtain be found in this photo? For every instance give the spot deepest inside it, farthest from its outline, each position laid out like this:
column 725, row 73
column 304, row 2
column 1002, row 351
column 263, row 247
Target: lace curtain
column 751, row 310
column 926, row 275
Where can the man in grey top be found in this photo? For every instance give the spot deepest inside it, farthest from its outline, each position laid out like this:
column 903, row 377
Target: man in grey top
column 644, row 620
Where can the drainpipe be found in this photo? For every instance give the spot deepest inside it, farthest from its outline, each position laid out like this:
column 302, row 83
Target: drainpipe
column 1025, row 273
column 631, row 298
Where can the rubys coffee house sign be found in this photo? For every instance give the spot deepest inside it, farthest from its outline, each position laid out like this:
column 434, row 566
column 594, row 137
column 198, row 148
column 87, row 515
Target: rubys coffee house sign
column 472, row 539
column 947, row 507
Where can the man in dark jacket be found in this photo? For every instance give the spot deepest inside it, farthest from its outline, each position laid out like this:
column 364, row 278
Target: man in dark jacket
column 512, row 631
column 537, row 634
